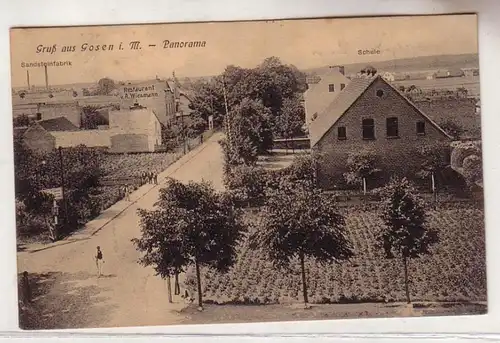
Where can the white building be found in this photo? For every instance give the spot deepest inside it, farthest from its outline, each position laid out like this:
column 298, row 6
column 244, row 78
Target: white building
column 389, row 77
column 137, row 129
column 323, row 90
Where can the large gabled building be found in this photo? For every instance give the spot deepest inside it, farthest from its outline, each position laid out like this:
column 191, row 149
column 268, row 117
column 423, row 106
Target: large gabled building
column 371, row 114
column 322, row 90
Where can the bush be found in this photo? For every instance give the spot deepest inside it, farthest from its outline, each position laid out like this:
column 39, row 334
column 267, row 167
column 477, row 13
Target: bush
column 246, row 183
column 473, row 171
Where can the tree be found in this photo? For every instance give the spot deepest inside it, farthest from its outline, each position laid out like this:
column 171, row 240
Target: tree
column 22, row 120
column 405, row 233
column 91, row 117
column 453, row 129
column 291, row 118
column 208, row 100
column 247, row 183
column 195, row 125
column 250, row 120
column 473, row 170
column 193, row 226
column 105, row 86
column 433, row 162
column 362, row 167
column 241, row 152
column 301, row 222
column 275, row 82
column 26, row 165
column 369, row 70
column 302, row 169
column 35, row 172
column 271, row 83
column 462, row 92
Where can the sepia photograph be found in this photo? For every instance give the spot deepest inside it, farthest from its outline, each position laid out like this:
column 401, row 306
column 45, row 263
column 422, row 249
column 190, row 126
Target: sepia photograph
column 248, row 171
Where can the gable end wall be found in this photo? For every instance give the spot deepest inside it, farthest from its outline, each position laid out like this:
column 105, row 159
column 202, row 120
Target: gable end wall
column 397, row 155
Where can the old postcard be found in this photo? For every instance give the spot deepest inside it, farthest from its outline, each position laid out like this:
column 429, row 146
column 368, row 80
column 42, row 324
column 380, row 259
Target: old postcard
column 235, row 172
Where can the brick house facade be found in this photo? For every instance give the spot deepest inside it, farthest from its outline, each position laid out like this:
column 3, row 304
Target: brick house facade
column 370, row 114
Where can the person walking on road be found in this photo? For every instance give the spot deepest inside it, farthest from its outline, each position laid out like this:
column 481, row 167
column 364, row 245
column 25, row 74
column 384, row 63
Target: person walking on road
column 99, row 261
column 127, row 192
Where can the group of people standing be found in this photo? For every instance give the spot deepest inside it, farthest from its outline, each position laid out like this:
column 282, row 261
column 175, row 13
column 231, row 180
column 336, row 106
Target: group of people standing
column 150, row 177
column 146, row 177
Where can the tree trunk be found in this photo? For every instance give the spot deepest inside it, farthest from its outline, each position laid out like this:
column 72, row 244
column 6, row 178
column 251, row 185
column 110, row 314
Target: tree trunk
column 177, row 288
column 407, row 287
column 198, row 279
column 304, row 285
column 434, row 193
column 169, row 288
column 364, row 192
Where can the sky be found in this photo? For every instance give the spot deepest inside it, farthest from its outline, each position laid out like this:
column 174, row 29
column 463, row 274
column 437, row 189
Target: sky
column 305, row 43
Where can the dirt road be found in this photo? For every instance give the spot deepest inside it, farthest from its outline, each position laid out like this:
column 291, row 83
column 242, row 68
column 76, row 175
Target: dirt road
column 71, row 296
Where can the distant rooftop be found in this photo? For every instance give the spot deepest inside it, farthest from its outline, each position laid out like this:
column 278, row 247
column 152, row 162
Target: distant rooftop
column 58, row 124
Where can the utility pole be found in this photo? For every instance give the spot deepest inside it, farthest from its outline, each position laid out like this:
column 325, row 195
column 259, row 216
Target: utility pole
column 65, row 203
column 183, row 133
column 230, row 141
column 228, row 123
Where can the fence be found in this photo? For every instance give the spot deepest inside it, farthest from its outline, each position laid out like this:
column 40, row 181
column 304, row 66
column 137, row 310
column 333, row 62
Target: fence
column 296, row 143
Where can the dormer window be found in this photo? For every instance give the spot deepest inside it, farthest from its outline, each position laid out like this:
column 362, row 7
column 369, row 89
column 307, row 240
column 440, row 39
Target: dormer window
column 331, row 87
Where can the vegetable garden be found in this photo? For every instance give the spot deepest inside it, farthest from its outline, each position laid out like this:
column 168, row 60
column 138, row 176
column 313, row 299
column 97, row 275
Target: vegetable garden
column 456, row 271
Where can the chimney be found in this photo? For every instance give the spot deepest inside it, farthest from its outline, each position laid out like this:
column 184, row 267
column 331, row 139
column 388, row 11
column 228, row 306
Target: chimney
column 46, row 78
column 338, row 68
column 28, row 78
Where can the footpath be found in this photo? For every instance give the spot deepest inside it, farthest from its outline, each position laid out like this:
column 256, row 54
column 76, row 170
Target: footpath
column 115, row 210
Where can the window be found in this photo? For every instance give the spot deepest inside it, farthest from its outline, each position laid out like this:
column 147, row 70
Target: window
column 392, row 127
column 331, row 87
column 341, row 133
column 380, row 93
column 368, row 129
column 421, row 128
column 342, row 86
